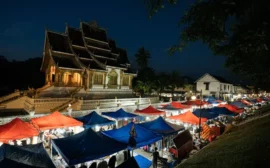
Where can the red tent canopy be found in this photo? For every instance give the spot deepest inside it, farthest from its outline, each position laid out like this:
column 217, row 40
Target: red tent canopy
column 259, row 100
column 179, row 105
column 150, row 110
column 196, row 103
column 55, row 120
column 17, row 129
column 246, row 102
column 188, row 117
column 232, row 108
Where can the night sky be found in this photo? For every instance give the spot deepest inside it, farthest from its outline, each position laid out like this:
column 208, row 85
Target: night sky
column 23, row 27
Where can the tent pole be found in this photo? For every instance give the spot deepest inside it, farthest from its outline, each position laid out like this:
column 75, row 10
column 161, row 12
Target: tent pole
column 51, row 149
column 162, row 146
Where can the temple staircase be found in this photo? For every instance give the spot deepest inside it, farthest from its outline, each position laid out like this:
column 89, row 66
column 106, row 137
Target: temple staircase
column 64, row 106
column 10, row 97
column 42, row 89
column 75, row 91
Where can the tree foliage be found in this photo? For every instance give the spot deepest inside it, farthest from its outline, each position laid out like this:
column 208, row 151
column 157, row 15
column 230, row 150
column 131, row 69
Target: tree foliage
column 20, row 74
column 142, row 58
column 237, row 29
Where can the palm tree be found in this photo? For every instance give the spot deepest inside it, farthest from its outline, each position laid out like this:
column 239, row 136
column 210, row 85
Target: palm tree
column 175, row 81
column 142, row 57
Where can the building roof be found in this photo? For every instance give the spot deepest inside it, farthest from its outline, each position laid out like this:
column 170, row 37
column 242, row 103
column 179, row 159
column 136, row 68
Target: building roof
column 94, row 32
column 91, row 64
column 82, row 53
column 221, row 79
column 66, row 61
column 75, row 36
column 59, row 42
column 89, row 42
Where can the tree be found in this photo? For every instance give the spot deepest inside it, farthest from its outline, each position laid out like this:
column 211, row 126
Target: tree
column 144, row 87
column 237, row 29
column 161, row 82
column 175, row 81
column 142, row 58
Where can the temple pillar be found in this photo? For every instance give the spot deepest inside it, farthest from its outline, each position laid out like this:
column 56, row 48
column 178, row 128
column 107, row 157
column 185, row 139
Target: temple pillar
column 106, row 80
column 129, row 81
column 103, row 79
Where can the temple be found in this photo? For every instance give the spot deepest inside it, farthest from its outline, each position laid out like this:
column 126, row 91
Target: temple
column 85, row 60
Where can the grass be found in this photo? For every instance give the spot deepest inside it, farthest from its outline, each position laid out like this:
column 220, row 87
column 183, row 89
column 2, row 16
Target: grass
column 245, row 146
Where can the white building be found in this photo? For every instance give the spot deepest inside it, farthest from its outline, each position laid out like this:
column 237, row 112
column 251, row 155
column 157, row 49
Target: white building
column 214, row 85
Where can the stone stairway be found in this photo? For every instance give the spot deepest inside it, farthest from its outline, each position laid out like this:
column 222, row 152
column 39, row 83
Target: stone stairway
column 64, row 106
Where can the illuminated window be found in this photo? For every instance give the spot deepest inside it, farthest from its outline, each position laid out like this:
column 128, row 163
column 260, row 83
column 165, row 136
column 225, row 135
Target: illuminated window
column 125, row 80
column 76, row 78
column 98, row 79
column 66, row 78
column 113, row 78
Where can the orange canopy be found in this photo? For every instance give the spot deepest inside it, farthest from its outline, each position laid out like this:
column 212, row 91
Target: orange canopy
column 179, row 105
column 196, row 103
column 188, row 117
column 150, row 110
column 232, row 108
column 17, row 129
column 55, row 120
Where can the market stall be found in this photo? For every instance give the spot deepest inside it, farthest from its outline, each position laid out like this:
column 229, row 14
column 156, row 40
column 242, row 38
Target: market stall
column 18, row 130
column 175, row 108
column 28, row 156
column 55, row 120
column 86, row 146
column 122, row 117
column 143, row 136
column 150, row 112
column 94, row 120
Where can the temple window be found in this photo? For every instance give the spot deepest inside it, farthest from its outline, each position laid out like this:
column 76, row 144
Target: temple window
column 113, row 78
column 98, row 79
column 76, row 78
column 125, row 80
column 66, row 78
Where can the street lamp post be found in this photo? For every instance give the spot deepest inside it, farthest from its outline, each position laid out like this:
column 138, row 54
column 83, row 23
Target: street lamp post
column 200, row 119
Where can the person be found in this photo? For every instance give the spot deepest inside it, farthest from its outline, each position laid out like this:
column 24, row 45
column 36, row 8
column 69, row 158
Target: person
column 155, row 158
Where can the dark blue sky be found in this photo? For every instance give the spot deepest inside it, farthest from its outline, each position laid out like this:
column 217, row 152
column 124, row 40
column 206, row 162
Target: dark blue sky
column 22, row 31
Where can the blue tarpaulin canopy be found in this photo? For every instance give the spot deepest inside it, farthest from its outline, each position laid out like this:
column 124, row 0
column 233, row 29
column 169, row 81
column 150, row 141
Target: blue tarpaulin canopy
column 120, row 114
column 29, row 156
column 205, row 113
column 143, row 135
column 93, row 119
column 161, row 126
column 238, row 104
column 85, row 146
column 222, row 111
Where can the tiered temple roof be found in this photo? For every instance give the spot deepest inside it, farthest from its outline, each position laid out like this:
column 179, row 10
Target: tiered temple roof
column 87, row 47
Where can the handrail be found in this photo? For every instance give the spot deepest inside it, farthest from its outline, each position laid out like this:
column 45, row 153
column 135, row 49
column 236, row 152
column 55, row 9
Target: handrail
column 9, row 96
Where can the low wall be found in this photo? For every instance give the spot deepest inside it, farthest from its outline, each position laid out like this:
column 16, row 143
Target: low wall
column 130, row 109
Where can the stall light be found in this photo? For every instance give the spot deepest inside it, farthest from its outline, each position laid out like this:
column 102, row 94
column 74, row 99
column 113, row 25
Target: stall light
column 97, row 127
column 125, row 119
column 193, row 97
column 69, row 105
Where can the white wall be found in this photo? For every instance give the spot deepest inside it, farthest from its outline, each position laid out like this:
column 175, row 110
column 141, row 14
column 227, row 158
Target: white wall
column 213, row 85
